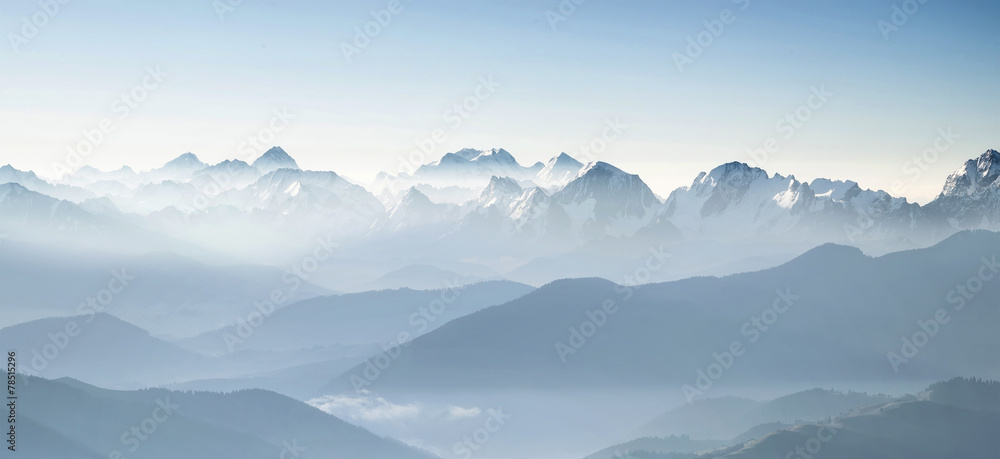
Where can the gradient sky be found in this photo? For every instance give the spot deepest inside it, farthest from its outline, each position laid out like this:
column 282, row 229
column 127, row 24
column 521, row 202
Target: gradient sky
column 557, row 87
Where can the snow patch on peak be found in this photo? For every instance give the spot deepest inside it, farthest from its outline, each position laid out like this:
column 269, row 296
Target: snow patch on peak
column 733, row 173
column 560, row 170
column 467, row 154
column 503, row 185
column 600, row 168
column 498, row 156
column 836, row 190
column 971, row 195
column 413, row 210
column 604, row 194
column 501, row 192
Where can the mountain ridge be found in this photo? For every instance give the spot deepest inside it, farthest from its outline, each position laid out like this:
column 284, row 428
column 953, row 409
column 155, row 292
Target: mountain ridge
column 483, row 205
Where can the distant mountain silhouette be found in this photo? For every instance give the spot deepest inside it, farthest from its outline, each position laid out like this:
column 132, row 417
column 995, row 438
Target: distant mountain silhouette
column 374, row 317
column 908, row 426
column 166, row 293
column 67, row 419
column 847, row 312
column 727, row 417
column 912, row 429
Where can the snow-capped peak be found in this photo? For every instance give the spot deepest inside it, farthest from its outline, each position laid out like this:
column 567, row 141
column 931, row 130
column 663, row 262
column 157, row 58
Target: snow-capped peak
column 468, row 168
column 560, row 170
column 614, row 192
column 534, row 204
column 505, row 185
column 497, row 156
column 274, row 159
column 500, row 192
column 733, row 174
column 413, row 209
column 971, row 195
column 974, row 176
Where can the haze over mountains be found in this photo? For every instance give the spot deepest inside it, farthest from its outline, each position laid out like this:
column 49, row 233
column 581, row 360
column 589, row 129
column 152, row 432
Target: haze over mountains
column 665, row 333
column 532, row 224
column 667, row 242
column 167, row 293
column 67, row 419
column 948, row 419
column 566, row 303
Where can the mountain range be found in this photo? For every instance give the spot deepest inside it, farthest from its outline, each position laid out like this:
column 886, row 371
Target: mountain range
column 593, row 334
column 167, row 293
column 626, row 351
column 483, row 206
column 951, row 418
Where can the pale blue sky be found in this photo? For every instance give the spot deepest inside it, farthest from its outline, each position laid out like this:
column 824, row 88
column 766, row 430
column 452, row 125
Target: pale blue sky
column 556, row 87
